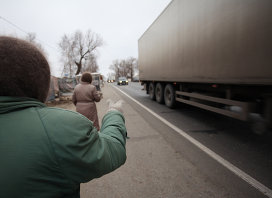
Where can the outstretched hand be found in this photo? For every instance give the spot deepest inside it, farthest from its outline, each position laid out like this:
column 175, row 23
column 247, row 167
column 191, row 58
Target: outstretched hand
column 101, row 95
column 117, row 106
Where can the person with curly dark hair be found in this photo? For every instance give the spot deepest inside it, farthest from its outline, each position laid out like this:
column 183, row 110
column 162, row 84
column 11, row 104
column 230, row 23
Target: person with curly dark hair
column 48, row 152
column 24, row 72
column 84, row 97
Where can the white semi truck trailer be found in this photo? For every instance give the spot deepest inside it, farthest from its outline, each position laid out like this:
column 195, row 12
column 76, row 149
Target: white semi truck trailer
column 212, row 54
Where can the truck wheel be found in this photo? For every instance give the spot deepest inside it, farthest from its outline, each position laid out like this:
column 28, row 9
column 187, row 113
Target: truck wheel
column 151, row 89
column 268, row 112
column 169, row 96
column 159, row 92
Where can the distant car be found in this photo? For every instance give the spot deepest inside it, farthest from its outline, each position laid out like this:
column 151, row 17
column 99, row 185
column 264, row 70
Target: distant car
column 110, row 81
column 122, row 81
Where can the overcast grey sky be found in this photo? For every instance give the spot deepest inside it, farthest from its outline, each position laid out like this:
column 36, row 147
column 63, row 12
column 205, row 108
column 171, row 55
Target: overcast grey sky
column 119, row 22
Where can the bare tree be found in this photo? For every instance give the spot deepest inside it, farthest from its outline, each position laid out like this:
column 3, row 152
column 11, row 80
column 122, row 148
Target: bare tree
column 125, row 67
column 115, row 67
column 67, row 56
column 32, row 38
column 131, row 64
column 90, row 64
column 80, row 50
column 123, row 70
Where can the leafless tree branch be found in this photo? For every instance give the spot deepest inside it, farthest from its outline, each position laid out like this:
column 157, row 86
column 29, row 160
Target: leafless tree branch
column 80, row 50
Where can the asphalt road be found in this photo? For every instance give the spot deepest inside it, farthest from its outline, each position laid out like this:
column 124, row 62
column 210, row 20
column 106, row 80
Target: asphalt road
column 162, row 163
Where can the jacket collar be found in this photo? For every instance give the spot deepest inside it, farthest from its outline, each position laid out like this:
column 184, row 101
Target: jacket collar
column 8, row 103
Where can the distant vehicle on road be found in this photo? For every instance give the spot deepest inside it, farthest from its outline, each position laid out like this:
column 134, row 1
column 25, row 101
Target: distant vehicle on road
column 111, row 79
column 122, row 81
column 97, row 80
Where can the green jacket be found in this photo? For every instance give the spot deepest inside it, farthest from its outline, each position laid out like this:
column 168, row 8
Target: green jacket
column 47, row 152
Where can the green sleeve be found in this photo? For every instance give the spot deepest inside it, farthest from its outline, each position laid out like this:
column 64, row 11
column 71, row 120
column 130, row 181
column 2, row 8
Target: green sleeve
column 81, row 151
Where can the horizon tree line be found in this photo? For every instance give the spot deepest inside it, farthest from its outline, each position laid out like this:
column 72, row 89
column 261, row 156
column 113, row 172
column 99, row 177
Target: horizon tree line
column 79, row 53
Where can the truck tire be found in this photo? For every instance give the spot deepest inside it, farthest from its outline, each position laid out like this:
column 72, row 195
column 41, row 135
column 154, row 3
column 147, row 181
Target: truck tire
column 261, row 124
column 268, row 112
column 159, row 92
column 169, row 96
column 151, row 90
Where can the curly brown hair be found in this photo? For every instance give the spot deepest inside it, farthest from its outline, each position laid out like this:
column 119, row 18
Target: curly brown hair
column 87, row 77
column 24, row 71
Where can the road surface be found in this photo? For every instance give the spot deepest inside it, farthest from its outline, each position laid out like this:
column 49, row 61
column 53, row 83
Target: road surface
column 162, row 163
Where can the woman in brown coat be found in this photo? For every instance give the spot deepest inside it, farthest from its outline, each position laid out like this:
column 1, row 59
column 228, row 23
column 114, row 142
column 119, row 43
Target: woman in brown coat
column 84, row 97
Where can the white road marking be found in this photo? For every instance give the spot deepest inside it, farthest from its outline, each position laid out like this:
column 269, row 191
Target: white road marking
column 247, row 178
